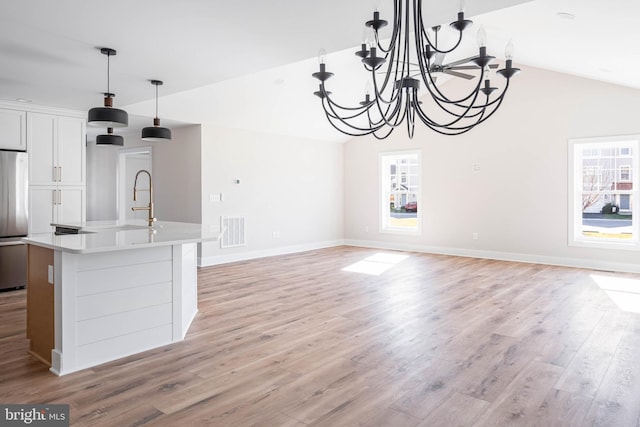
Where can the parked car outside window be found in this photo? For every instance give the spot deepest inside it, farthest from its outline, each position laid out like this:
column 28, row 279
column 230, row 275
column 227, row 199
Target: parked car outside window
column 411, row 207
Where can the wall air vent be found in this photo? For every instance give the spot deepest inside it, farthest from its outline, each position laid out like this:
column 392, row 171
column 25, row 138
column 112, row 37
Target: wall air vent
column 234, row 231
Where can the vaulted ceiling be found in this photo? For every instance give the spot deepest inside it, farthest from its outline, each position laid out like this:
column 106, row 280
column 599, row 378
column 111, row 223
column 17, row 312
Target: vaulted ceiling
column 248, row 64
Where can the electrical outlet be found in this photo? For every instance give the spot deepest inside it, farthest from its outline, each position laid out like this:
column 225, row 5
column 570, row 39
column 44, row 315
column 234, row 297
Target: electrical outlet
column 475, row 236
column 276, row 234
column 50, row 274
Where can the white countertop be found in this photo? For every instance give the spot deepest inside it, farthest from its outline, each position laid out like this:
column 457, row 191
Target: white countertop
column 105, row 236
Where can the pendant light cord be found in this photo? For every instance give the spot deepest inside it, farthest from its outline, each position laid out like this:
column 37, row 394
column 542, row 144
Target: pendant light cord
column 108, row 73
column 156, row 101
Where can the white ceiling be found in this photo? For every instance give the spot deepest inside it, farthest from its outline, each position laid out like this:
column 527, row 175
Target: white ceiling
column 248, row 64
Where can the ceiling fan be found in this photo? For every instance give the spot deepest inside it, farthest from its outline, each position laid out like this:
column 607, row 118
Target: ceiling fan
column 452, row 68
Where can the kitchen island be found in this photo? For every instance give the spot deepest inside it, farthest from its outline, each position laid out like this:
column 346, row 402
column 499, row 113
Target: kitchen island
column 109, row 290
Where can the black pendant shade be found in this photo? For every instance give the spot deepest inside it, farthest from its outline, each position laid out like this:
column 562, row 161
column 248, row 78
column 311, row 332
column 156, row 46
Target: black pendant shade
column 107, row 116
column 156, row 133
column 109, row 139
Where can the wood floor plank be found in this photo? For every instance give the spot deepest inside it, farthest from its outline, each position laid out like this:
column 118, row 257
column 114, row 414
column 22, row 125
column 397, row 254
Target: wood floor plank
column 298, row 340
column 562, row 409
column 519, row 401
column 616, row 401
column 457, row 411
column 588, row 368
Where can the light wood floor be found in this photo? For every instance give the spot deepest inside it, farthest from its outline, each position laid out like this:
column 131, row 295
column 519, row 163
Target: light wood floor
column 433, row 341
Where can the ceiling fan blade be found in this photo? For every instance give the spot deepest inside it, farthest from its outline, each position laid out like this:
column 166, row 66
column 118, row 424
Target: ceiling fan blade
column 470, row 67
column 457, row 74
column 438, row 59
column 459, row 62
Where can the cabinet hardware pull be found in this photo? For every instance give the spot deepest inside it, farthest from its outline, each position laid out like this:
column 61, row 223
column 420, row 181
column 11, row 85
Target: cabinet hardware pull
column 55, row 173
column 59, row 173
column 59, row 197
column 53, row 194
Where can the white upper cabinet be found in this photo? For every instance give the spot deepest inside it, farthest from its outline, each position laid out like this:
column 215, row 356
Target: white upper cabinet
column 56, row 149
column 13, row 129
column 71, row 150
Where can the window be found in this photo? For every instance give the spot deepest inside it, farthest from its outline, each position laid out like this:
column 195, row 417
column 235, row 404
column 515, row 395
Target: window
column 400, row 192
column 603, row 192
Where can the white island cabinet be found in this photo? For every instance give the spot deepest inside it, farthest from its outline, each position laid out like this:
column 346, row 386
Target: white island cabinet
column 118, row 289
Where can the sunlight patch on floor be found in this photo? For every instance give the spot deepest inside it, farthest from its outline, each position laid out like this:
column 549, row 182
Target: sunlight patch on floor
column 376, row 264
column 624, row 292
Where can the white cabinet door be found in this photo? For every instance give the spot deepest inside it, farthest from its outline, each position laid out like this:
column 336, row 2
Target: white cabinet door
column 41, row 137
column 42, row 202
column 50, row 204
column 70, row 209
column 13, row 129
column 71, row 150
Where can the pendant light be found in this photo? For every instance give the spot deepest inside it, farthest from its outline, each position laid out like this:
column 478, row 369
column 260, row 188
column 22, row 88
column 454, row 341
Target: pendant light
column 156, row 132
column 108, row 116
column 109, row 138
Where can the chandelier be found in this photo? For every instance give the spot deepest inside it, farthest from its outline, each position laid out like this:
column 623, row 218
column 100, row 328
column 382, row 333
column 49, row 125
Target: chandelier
column 398, row 69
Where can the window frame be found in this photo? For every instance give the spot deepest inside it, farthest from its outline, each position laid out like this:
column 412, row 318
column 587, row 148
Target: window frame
column 575, row 177
column 383, row 196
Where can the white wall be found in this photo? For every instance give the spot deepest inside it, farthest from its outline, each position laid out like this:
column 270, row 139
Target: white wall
column 517, row 201
column 288, row 185
column 177, row 176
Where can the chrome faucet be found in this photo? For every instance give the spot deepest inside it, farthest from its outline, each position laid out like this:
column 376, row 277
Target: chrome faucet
column 149, row 208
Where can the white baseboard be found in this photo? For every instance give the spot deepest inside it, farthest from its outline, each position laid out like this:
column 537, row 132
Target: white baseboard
column 502, row 256
column 244, row 256
column 472, row 253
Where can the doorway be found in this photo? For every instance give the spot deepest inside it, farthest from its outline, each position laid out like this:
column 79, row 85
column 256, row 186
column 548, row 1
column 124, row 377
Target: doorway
column 130, row 161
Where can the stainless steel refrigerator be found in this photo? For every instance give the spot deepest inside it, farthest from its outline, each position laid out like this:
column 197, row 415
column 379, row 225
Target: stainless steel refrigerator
column 13, row 218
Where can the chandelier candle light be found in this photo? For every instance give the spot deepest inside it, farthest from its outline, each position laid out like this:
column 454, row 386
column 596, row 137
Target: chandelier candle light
column 396, row 73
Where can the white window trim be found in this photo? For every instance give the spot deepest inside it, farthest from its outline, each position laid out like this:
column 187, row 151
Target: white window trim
column 574, row 168
column 384, row 214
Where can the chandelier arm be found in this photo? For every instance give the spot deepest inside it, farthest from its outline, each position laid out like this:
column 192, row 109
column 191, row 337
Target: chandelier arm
column 397, row 19
column 458, row 116
column 331, row 113
column 360, row 132
column 410, row 113
column 335, row 115
column 395, row 93
column 436, row 128
column 438, row 95
column 390, row 68
column 421, row 32
column 451, row 130
column 326, row 95
column 451, row 112
column 396, row 102
column 379, row 125
column 346, row 132
column 380, row 138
